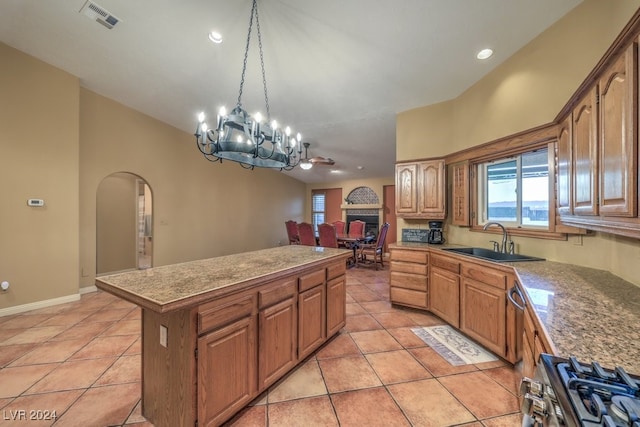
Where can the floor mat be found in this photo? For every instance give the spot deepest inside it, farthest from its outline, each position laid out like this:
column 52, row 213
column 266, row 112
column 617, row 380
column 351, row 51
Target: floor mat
column 454, row 347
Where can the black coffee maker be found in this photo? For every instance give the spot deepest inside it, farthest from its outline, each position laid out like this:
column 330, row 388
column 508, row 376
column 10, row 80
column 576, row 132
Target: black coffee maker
column 435, row 232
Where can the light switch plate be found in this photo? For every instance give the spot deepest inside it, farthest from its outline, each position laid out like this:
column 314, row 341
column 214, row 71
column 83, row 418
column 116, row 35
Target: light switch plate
column 163, row 335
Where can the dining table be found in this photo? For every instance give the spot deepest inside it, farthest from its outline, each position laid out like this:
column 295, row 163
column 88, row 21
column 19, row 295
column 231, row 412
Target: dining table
column 353, row 241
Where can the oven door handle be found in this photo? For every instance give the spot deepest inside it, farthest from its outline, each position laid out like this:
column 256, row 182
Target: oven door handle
column 516, row 290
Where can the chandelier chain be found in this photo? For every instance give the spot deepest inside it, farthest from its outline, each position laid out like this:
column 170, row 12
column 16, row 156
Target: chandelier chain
column 246, row 53
column 264, row 77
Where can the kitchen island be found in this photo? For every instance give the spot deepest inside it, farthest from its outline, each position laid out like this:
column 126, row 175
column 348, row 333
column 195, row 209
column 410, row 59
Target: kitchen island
column 217, row 332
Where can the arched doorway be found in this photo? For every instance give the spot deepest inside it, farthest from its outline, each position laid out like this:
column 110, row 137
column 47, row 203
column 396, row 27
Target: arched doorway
column 124, row 223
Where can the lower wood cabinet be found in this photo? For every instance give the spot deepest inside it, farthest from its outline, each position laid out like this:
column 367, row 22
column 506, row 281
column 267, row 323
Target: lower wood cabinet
column 223, row 392
column 535, row 342
column 409, row 278
column 483, row 314
column 445, row 295
column 223, row 353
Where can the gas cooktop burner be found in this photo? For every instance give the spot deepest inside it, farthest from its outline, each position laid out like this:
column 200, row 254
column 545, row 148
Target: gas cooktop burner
column 597, row 396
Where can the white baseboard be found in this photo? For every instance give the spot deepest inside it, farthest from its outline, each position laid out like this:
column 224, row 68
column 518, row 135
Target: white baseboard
column 45, row 303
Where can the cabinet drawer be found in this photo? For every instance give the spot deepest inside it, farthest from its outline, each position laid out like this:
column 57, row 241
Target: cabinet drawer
column 408, row 297
column 310, row 280
column 409, row 267
column 409, row 281
column 445, row 263
column 420, row 257
column 218, row 313
column 485, row 275
column 337, row 269
column 276, row 292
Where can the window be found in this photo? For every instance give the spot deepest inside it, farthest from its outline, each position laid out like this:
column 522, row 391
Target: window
column 515, row 191
column 317, row 210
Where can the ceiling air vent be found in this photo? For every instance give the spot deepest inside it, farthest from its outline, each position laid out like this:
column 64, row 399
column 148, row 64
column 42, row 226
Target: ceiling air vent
column 99, row 14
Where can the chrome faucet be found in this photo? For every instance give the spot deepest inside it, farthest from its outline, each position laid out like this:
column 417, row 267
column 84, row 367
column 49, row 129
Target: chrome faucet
column 504, row 234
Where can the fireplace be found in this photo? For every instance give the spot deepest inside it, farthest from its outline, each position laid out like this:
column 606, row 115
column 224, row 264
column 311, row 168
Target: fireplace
column 372, row 222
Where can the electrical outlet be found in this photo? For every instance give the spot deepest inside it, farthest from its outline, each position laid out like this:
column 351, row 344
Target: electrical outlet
column 164, row 332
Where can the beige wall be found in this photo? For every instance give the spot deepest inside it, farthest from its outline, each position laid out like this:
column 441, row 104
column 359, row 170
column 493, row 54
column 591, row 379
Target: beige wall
column 39, row 159
column 58, row 142
column 200, row 209
column 527, row 90
column 116, row 223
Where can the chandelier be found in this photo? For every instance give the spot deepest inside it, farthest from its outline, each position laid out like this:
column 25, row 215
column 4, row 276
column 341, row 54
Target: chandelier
column 246, row 139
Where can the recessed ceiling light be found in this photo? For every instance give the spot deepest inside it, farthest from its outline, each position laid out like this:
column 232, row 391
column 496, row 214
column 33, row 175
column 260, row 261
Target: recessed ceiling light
column 335, row 171
column 360, row 168
column 215, row 37
column 484, row 53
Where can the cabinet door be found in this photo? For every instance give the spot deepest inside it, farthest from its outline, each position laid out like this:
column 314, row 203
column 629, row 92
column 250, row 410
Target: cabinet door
column 445, row 295
column 336, row 305
column 227, row 360
column 312, row 321
column 431, row 189
column 406, row 189
column 483, row 314
column 278, row 338
column 460, row 194
column 564, row 168
column 618, row 132
column 585, row 155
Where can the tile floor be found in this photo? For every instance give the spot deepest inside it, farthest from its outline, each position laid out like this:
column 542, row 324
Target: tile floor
column 82, row 360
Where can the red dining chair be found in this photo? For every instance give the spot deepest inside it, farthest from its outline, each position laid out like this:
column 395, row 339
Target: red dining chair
column 306, row 235
column 356, row 228
column 327, row 233
column 339, row 225
column 375, row 250
column 292, row 232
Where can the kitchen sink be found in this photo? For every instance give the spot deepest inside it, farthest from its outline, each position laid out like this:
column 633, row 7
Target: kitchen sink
column 492, row 255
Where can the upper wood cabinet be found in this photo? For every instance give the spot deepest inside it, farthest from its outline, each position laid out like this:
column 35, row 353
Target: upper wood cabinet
column 421, row 190
column 564, row 170
column 618, row 136
column 460, row 194
column 585, row 155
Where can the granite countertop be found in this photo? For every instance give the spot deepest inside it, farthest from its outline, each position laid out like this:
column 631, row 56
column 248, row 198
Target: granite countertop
column 588, row 313
column 181, row 285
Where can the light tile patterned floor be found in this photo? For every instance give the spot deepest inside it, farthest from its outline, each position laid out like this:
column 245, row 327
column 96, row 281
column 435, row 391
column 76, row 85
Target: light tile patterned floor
column 82, row 360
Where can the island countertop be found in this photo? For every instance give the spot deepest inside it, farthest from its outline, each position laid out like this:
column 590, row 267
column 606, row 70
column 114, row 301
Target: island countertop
column 177, row 286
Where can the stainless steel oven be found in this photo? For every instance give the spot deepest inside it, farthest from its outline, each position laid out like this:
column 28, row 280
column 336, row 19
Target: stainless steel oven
column 566, row 392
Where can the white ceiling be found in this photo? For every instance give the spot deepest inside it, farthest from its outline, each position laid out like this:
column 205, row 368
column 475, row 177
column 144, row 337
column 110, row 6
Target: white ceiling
column 338, row 71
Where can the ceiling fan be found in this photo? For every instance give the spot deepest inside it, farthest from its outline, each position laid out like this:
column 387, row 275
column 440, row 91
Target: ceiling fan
column 308, row 162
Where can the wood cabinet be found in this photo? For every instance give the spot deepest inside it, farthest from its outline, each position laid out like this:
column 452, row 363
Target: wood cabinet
column 444, row 287
column 278, row 318
column 460, row 194
column 421, row 189
column 311, row 321
column 535, row 342
column 618, row 136
column 483, row 314
column 409, row 283
column 602, row 161
column 585, row 152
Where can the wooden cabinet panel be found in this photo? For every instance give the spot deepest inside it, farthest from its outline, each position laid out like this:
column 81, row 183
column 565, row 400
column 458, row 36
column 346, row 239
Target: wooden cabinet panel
column 485, row 275
column 218, row 313
column 431, row 189
column 421, row 190
column 409, row 267
column 278, row 291
column 313, row 279
column 312, row 324
column 460, row 194
column 417, row 282
column 336, row 270
column 618, row 136
column 445, row 262
column 483, row 315
column 406, row 185
column 420, row 257
column 226, row 371
column 408, row 297
column 336, row 304
column 585, row 155
column 444, row 295
column 277, row 341
column 564, row 170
